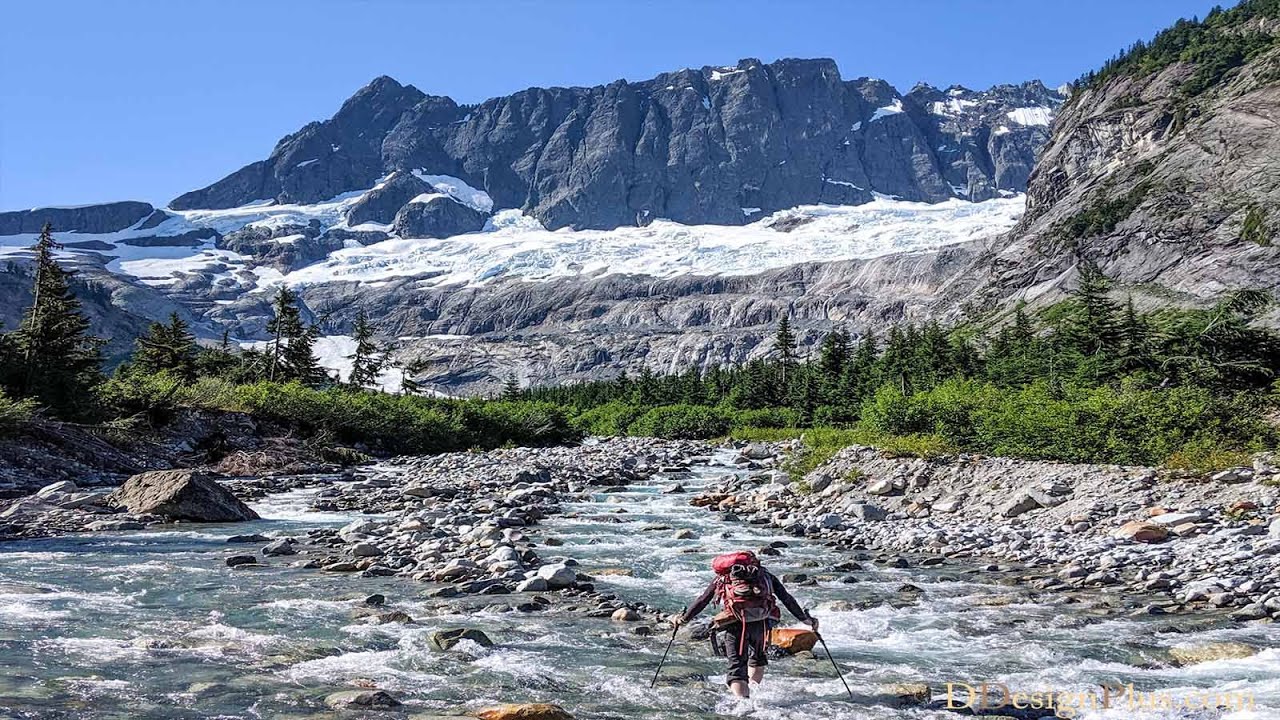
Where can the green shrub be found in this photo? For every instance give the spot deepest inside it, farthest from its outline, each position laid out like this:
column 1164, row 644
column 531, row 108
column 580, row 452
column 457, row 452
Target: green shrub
column 766, row 418
column 1254, row 229
column 1205, row 456
column 395, row 423
column 682, row 422
column 490, row 424
column 14, row 414
column 608, row 420
column 925, row 446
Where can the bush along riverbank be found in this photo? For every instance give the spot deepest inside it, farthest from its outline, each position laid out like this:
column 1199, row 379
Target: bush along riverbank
column 1163, row 542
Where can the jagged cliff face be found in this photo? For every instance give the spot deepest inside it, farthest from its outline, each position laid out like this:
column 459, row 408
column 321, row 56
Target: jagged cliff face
column 1175, row 197
column 718, row 145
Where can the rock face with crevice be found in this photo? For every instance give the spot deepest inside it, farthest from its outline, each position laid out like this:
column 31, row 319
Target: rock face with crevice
column 1173, row 195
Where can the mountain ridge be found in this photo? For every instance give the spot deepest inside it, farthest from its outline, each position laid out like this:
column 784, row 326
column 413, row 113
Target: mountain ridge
column 751, row 136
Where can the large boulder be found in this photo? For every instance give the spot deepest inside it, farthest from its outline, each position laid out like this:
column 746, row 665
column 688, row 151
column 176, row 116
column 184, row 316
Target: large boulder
column 447, row 639
column 437, row 216
column 532, row 711
column 1209, row 652
column 182, row 495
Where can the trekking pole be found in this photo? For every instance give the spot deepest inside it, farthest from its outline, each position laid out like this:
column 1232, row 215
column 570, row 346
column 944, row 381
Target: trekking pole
column 663, row 661
column 827, row 650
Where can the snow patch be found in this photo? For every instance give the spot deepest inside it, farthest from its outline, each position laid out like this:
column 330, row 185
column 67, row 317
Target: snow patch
column 845, row 183
column 954, row 106
column 891, row 109
column 458, row 190
column 1041, row 116
column 727, row 71
column 305, row 163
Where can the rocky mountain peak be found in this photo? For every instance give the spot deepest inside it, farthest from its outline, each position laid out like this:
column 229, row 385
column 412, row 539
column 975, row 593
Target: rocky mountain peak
column 715, row 145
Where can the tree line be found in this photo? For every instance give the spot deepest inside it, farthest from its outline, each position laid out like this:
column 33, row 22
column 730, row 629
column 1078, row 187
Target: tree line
column 53, row 364
column 1117, row 372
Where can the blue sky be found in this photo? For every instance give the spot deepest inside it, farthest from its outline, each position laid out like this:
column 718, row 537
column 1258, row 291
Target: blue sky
column 147, row 99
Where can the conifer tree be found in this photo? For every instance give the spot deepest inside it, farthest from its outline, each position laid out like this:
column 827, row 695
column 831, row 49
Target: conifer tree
column 367, row 360
column 1135, row 339
column 298, row 360
column 167, row 347
column 833, row 358
column 1094, row 327
column 285, row 324
column 510, row 387
column 58, row 360
column 861, row 377
column 291, row 353
column 784, row 343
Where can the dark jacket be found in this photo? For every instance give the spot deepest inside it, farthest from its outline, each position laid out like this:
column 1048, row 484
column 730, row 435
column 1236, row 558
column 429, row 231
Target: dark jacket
column 779, row 590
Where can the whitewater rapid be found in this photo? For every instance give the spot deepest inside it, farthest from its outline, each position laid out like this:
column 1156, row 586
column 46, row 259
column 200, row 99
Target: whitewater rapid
column 154, row 625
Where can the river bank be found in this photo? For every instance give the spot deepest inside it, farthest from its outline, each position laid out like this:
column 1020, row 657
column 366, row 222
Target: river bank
column 563, row 563
column 1164, row 543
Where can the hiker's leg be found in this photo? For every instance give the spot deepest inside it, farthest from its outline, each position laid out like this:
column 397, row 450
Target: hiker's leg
column 757, row 659
column 737, row 653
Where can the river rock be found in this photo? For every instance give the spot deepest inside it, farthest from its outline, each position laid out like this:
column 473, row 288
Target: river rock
column 625, row 615
column 361, row 700
column 62, row 487
column 533, row 584
column 532, row 711
column 1233, row 475
column 283, row 546
column 793, row 640
column 447, row 639
column 1141, row 531
column 1022, row 503
column 867, row 512
column 1211, row 651
column 238, row 560
column 908, row 693
column 366, row 549
column 558, row 576
column 113, row 525
column 881, row 487
column 182, row 495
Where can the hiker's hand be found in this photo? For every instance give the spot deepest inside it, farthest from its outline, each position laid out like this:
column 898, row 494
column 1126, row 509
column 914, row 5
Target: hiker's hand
column 677, row 621
column 813, row 623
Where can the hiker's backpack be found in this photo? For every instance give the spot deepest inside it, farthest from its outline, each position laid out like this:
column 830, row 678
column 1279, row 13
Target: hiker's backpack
column 743, row 590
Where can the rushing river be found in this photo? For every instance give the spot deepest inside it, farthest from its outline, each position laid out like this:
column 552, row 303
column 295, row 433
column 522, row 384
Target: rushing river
column 154, row 625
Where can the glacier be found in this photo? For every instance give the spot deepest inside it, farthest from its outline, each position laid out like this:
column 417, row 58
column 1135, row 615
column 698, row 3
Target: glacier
column 514, row 245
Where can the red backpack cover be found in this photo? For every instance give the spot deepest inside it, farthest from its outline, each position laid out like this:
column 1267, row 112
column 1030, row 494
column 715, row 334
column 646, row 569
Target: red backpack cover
column 743, row 599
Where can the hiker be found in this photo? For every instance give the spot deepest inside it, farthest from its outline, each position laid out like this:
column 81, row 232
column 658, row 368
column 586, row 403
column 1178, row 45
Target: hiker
column 748, row 596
